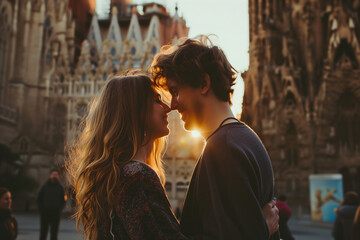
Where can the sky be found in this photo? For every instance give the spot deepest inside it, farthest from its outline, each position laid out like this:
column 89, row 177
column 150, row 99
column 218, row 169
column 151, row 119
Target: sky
column 227, row 19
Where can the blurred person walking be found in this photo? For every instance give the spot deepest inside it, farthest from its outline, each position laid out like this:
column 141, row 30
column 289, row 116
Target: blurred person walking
column 51, row 201
column 8, row 223
column 356, row 225
column 284, row 216
column 343, row 224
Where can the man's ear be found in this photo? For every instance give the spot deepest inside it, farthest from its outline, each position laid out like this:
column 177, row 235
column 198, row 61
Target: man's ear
column 206, row 87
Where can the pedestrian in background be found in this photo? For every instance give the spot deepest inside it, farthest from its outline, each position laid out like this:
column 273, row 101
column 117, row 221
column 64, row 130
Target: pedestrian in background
column 284, row 216
column 51, row 201
column 356, row 226
column 345, row 217
column 8, row 223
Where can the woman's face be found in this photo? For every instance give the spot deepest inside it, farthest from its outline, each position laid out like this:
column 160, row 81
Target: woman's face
column 159, row 125
column 5, row 201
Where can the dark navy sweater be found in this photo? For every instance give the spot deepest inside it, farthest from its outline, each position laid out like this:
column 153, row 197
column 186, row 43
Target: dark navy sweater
column 232, row 181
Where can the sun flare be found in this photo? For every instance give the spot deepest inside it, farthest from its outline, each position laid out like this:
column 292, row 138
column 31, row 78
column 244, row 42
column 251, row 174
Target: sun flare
column 195, row 133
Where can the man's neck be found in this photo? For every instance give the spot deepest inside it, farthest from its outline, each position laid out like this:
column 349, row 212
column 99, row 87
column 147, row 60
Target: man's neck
column 214, row 114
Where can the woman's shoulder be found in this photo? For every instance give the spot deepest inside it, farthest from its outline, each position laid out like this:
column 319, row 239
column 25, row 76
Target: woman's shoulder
column 135, row 167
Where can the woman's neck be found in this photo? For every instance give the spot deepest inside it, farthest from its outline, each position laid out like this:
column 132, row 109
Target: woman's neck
column 144, row 152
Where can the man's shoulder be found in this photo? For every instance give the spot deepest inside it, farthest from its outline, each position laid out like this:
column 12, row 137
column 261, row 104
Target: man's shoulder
column 231, row 135
column 228, row 131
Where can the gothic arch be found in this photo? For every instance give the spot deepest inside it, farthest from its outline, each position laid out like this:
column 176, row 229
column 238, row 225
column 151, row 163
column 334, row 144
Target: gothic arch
column 345, row 49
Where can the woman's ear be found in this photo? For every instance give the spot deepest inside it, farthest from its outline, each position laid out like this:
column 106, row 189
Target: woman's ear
column 206, row 87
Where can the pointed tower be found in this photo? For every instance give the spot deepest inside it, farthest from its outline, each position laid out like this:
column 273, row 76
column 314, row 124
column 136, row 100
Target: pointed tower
column 304, row 59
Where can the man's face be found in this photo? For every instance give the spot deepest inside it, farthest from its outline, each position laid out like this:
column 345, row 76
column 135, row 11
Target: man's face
column 187, row 101
column 54, row 176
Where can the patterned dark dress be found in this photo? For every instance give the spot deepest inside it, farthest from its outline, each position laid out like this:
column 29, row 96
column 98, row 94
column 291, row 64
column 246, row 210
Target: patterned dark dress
column 142, row 210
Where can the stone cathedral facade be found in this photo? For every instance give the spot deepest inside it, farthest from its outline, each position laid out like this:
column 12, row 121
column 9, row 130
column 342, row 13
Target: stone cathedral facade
column 302, row 90
column 47, row 81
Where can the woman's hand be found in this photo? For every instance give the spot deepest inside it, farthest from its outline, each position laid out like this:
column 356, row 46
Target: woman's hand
column 271, row 214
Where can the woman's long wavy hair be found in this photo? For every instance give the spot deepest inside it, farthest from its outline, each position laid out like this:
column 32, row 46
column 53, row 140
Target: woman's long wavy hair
column 113, row 132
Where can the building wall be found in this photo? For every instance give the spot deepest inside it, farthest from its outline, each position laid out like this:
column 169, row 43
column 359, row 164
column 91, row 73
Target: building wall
column 47, row 79
column 301, row 93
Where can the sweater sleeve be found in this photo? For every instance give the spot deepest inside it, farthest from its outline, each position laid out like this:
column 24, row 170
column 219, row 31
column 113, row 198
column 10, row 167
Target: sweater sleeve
column 144, row 210
column 228, row 196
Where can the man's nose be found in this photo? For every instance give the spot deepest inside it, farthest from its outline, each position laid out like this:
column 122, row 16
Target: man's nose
column 166, row 108
column 174, row 103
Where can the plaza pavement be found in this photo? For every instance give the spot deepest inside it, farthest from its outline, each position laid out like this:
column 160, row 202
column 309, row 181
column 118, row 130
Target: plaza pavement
column 29, row 226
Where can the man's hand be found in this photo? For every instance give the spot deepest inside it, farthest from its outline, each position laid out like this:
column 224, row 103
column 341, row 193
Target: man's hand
column 271, row 214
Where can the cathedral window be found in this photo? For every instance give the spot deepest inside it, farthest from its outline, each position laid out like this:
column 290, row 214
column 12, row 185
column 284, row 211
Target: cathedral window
column 105, row 64
column 154, row 50
column 133, row 51
column 113, row 52
column 113, row 33
column 83, row 78
column 104, row 77
column 115, row 64
column 84, row 64
column 133, row 32
column 47, row 22
column 61, row 78
column 92, row 52
column 136, row 63
column 154, row 35
column 345, row 56
column 48, row 57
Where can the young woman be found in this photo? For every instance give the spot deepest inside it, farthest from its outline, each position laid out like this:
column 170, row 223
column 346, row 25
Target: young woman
column 116, row 167
column 8, row 223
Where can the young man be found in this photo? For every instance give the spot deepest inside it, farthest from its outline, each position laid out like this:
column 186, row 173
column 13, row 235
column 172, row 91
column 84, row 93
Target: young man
column 233, row 179
column 51, row 201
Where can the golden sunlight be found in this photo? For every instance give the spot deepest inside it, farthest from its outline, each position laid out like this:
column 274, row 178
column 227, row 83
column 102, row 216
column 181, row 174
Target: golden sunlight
column 195, row 133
